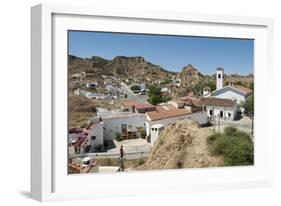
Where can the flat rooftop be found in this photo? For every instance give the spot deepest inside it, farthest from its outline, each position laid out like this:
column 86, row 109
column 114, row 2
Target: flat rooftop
column 108, row 114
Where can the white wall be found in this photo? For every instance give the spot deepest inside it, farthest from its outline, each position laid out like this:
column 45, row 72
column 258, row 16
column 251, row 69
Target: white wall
column 96, row 131
column 231, row 95
column 113, row 125
column 226, row 110
column 155, row 134
column 200, row 117
column 219, row 81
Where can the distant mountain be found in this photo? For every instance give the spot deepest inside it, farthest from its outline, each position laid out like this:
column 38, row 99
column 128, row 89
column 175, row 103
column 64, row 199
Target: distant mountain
column 121, row 66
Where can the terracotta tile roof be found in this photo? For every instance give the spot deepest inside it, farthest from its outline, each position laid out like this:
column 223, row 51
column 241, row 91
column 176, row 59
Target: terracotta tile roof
column 144, row 106
column 129, row 103
column 244, row 90
column 167, row 111
column 138, row 105
column 212, row 101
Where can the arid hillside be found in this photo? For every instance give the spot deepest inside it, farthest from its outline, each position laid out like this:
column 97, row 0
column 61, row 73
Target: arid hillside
column 81, row 109
column 135, row 68
column 182, row 145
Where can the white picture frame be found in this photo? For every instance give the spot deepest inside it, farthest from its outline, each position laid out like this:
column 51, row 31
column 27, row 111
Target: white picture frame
column 49, row 179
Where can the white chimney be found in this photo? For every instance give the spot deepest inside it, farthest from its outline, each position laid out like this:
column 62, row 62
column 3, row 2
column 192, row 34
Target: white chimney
column 219, row 77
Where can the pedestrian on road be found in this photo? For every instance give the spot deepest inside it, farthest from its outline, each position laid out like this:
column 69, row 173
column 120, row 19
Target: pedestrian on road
column 121, row 152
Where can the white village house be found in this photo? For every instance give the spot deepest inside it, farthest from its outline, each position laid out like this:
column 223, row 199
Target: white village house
column 218, row 108
column 167, row 114
column 95, row 134
column 121, row 122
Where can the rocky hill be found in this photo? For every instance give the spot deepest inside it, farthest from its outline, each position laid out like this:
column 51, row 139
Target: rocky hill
column 122, row 67
column 181, row 145
column 137, row 69
column 191, row 81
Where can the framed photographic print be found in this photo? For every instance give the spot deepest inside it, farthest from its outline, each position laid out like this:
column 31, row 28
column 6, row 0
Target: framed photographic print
column 138, row 102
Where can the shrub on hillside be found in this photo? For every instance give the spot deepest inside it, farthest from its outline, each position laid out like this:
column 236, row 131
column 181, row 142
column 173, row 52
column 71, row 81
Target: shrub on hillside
column 118, row 136
column 234, row 145
column 230, row 130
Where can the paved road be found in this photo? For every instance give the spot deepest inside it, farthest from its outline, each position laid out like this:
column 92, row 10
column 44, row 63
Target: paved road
column 130, row 93
column 128, row 155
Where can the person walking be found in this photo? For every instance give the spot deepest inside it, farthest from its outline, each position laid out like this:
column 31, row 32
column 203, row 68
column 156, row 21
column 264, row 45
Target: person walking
column 121, row 152
column 122, row 158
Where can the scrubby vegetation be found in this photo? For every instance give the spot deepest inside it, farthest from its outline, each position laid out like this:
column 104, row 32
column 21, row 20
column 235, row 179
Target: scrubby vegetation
column 118, row 136
column 142, row 133
column 249, row 106
column 235, row 146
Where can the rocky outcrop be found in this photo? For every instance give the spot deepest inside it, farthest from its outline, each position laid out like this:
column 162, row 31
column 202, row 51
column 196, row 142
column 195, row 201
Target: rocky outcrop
column 182, row 145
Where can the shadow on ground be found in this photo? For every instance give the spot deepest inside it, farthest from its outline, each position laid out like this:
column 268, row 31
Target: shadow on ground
column 25, row 193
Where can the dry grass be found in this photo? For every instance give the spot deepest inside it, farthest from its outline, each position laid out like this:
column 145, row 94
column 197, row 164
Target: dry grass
column 81, row 109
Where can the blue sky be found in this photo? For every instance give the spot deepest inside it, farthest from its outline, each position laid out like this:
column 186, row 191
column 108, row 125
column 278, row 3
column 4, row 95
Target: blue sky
column 170, row 52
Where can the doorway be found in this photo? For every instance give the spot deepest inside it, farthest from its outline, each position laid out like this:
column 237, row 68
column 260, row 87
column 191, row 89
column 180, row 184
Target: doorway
column 124, row 128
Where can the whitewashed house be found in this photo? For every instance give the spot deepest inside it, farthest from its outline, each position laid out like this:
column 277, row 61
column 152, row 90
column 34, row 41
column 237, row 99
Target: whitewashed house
column 120, row 122
column 95, row 136
column 218, row 108
column 167, row 114
column 234, row 92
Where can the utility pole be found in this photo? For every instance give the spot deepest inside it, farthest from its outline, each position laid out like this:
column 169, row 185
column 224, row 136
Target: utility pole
column 219, row 126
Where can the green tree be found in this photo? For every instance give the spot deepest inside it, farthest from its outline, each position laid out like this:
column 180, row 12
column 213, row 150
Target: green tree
column 212, row 85
column 154, row 95
column 197, row 89
column 252, row 86
column 249, row 106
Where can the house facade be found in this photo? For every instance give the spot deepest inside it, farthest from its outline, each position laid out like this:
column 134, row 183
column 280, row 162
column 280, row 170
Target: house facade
column 120, row 122
column 218, row 108
column 156, row 130
column 95, row 136
column 167, row 114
